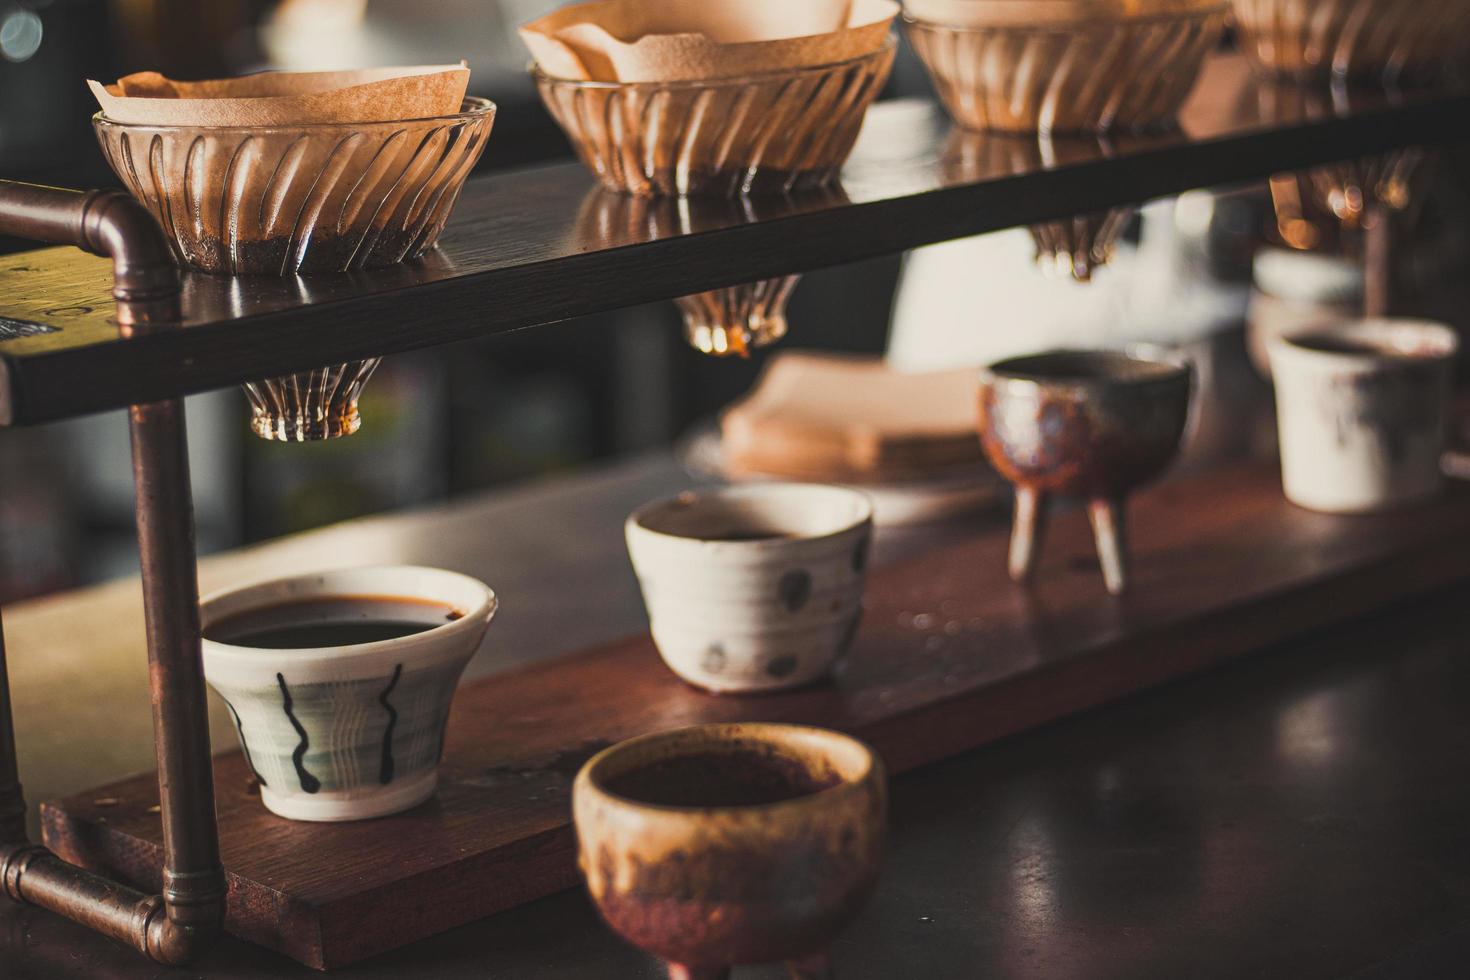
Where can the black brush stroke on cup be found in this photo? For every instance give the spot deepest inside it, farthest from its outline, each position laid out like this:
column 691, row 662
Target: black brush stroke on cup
column 245, row 746
column 309, row 783
column 385, row 770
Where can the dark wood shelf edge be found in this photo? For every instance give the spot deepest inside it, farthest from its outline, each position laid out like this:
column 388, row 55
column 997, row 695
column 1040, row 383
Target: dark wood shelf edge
column 48, row 385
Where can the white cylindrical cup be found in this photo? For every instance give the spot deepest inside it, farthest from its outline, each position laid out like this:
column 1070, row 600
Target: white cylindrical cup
column 1361, row 410
column 1297, row 291
column 347, row 732
column 756, row 587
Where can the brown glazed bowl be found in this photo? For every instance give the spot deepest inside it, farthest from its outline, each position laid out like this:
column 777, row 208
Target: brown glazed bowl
column 1079, row 423
column 728, row 844
column 1083, row 66
column 288, row 200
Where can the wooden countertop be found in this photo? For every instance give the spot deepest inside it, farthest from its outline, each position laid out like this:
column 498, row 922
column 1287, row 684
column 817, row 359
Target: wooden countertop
column 1300, row 814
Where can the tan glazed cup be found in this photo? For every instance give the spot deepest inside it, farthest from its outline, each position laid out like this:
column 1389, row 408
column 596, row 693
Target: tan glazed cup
column 721, row 845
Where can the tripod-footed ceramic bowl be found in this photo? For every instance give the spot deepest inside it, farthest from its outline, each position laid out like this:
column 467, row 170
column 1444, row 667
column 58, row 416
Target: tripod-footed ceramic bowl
column 1092, row 424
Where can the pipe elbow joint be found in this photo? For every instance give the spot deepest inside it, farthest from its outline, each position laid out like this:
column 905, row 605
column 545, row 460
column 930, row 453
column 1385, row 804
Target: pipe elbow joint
column 145, row 278
column 15, row 857
column 175, row 941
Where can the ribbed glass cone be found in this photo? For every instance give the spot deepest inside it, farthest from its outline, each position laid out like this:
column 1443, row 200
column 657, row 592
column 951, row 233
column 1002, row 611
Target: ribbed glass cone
column 309, row 406
column 720, row 322
column 1308, row 201
column 774, row 133
column 1351, row 188
column 1095, row 74
column 296, row 199
column 1360, row 39
column 737, row 319
column 1077, row 246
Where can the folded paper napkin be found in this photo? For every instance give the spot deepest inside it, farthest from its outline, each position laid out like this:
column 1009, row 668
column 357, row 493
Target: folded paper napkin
column 696, row 40
column 287, row 98
column 851, row 419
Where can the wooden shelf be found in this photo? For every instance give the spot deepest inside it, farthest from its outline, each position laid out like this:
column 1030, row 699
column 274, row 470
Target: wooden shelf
column 951, row 655
column 542, row 245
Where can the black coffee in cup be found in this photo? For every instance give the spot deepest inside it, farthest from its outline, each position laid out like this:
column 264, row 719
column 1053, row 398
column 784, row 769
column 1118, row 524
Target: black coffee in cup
column 741, row 777
column 337, row 621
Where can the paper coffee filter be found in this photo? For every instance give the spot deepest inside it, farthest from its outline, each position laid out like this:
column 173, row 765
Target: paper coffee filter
column 1045, row 13
column 729, row 22
column 287, row 98
column 692, row 40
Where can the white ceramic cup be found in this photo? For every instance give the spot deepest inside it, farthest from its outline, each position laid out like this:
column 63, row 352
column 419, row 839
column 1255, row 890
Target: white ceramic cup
column 1361, row 410
column 347, row 732
column 756, row 587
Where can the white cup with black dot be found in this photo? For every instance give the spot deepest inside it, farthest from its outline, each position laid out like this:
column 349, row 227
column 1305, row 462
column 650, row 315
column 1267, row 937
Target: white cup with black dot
column 756, row 587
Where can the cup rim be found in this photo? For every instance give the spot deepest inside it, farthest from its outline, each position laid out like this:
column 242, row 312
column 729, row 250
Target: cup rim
column 471, row 108
column 890, row 43
column 473, row 618
column 1178, row 368
column 1434, row 332
column 635, row 522
column 768, row 732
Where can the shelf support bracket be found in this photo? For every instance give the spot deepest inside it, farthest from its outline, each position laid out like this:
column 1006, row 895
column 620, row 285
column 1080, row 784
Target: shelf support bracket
column 175, row 926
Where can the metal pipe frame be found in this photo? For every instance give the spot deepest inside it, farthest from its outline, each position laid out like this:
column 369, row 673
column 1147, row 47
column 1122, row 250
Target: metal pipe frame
column 1378, row 261
column 176, row 926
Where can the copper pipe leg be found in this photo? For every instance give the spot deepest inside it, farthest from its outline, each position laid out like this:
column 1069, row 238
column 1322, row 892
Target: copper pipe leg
column 1111, row 537
column 173, row 927
column 817, row 966
column 1026, row 531
column 12, row 801
column 1377, row 261
column 678, row 971
column 193, row 881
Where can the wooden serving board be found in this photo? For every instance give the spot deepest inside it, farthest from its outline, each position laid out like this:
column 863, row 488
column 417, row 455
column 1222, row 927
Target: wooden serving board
column 951, row 655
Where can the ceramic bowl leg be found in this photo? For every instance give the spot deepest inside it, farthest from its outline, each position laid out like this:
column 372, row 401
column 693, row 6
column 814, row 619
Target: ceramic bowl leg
column 1026, row 531
column 817, row 966
column 677, row 971
column 1110, row 534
